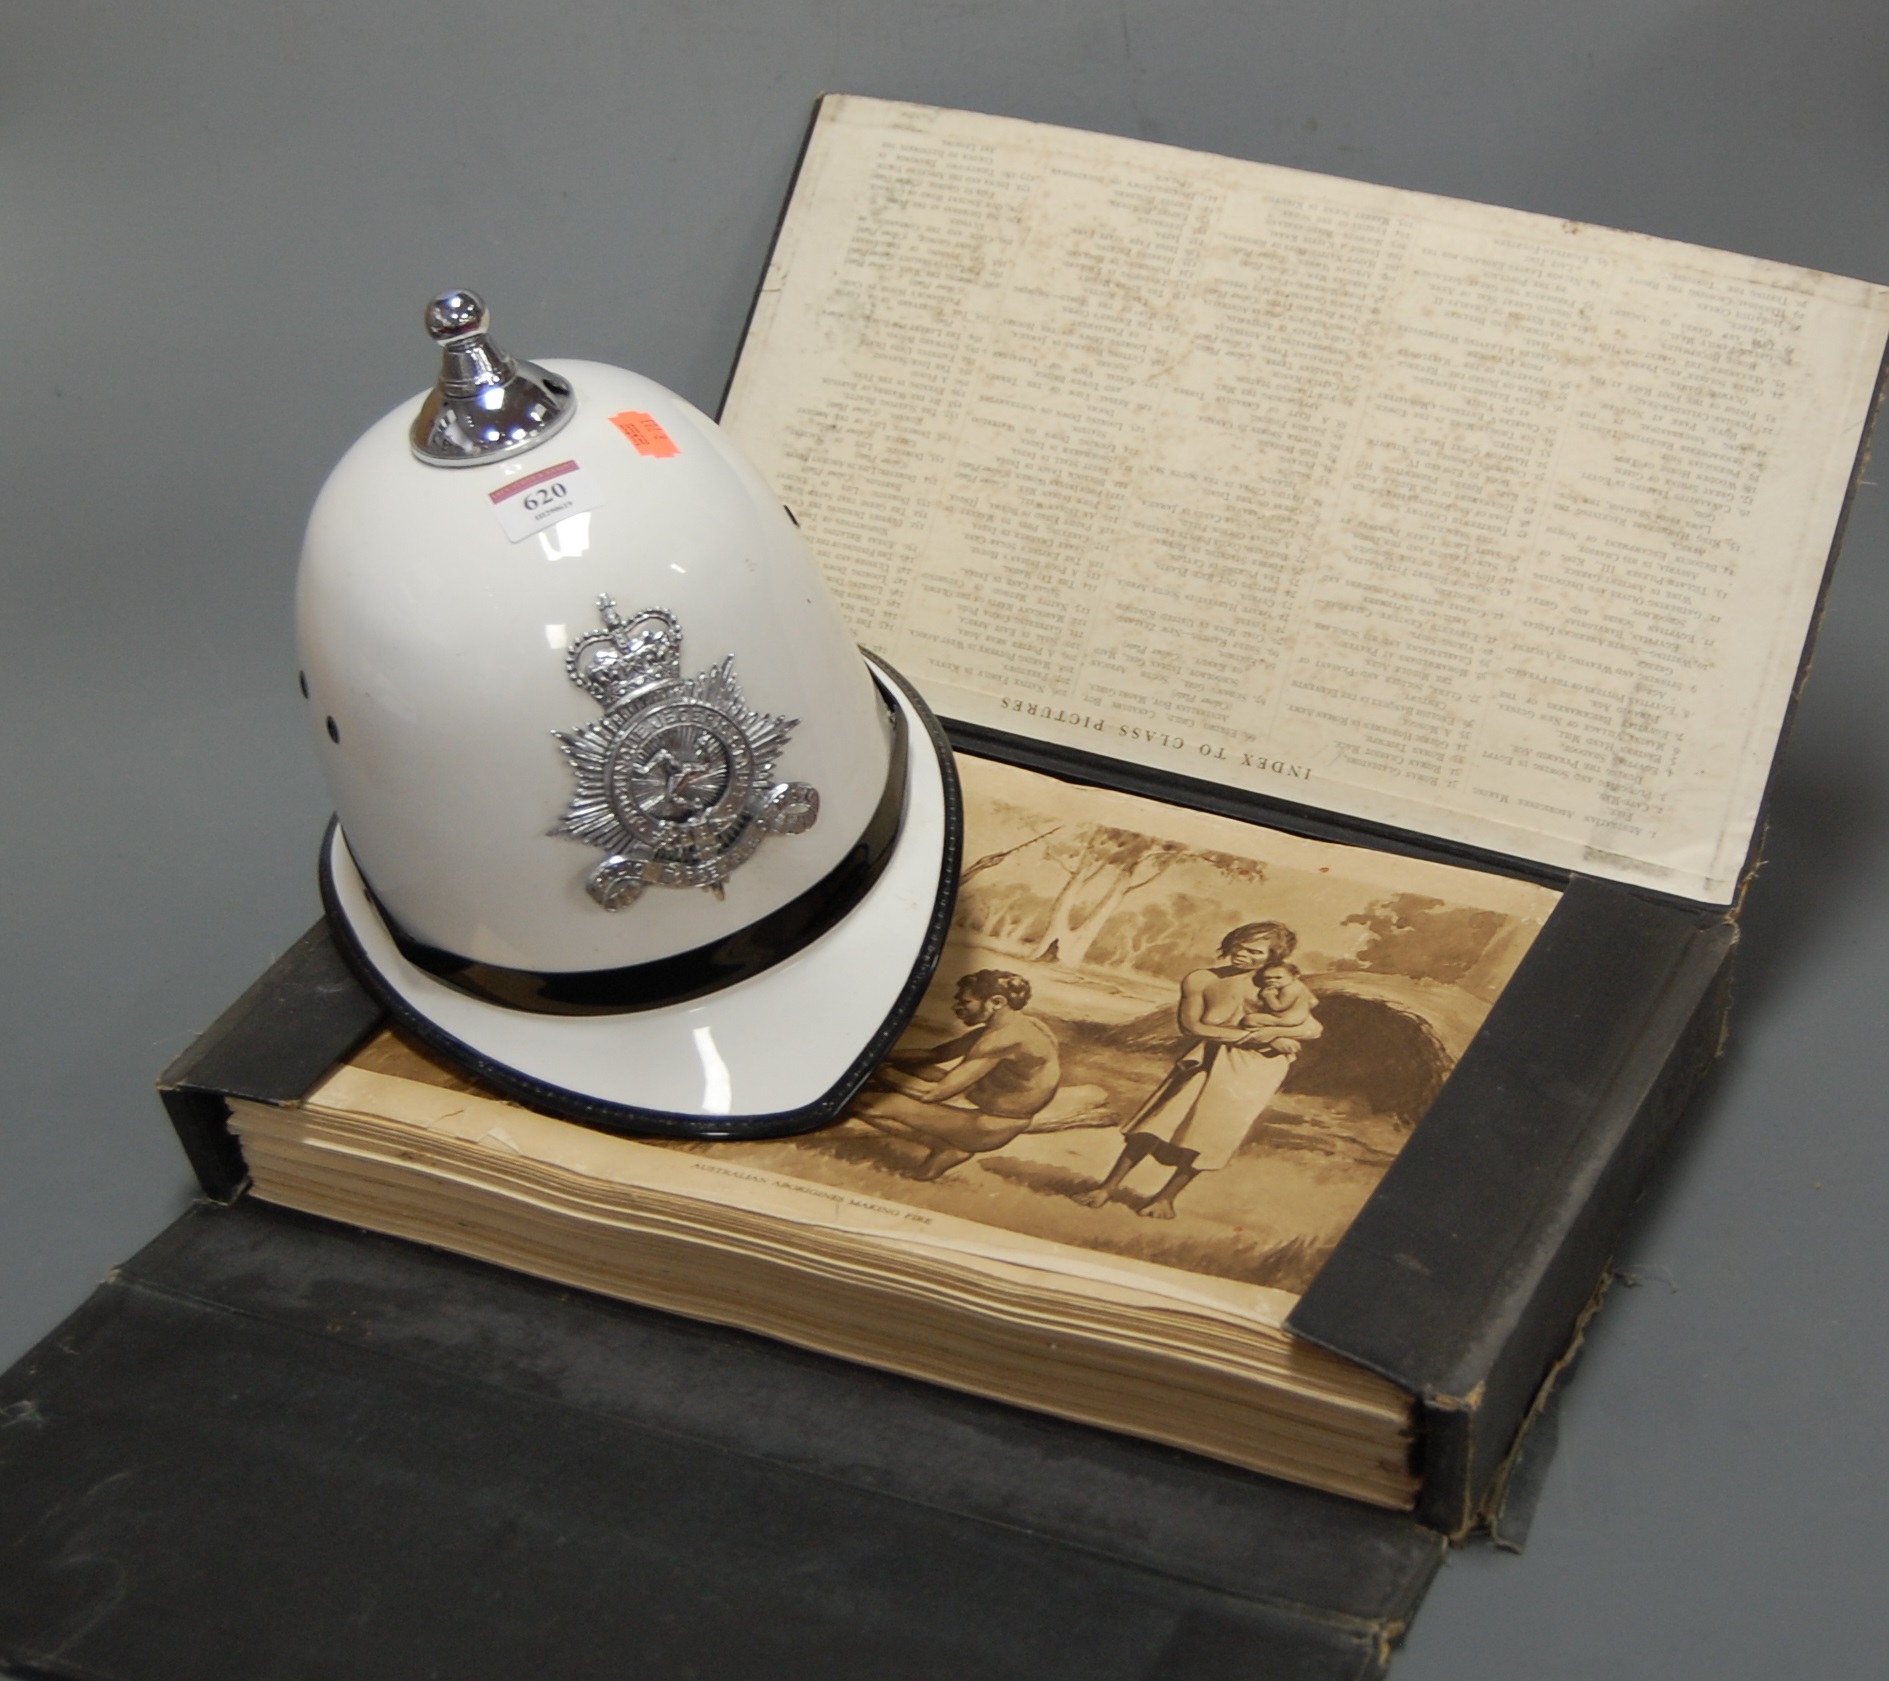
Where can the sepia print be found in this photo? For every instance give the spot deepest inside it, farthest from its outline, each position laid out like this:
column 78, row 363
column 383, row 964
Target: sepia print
column 1170, row 1037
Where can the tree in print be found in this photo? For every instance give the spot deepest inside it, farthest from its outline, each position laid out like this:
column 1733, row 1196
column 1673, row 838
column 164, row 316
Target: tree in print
column 1160, row 936
column 1007, row 913
column 991, row 860
column 1102, row 866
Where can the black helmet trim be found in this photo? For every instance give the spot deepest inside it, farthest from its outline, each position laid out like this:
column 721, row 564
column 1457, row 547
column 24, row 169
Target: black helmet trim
column 705, row 969
column 636, row 1121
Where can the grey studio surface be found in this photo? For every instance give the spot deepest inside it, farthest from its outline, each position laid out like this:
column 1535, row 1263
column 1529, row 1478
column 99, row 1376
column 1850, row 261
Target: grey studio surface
column 217, row 226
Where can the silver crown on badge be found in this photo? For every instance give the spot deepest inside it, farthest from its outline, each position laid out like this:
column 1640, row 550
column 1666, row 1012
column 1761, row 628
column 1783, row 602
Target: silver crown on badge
column 674, row 781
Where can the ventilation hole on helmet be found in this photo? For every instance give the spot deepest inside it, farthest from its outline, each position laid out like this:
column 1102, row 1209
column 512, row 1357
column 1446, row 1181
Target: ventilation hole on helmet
column 302, row 678
column 334, row 730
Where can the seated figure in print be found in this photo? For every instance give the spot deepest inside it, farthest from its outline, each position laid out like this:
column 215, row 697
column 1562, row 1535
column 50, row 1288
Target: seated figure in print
column 972, row 1093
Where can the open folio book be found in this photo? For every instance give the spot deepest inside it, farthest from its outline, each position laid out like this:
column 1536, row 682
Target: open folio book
column 1373, row 618
column 1051, row 1194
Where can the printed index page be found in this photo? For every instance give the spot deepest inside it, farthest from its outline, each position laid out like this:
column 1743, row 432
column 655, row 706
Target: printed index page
column 1474, row 522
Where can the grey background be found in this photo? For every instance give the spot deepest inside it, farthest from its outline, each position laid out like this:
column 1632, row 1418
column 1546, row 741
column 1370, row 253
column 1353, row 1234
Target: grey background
column 218, row 221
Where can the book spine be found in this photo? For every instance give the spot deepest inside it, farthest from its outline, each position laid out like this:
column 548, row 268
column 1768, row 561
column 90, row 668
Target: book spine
column 303, row 1016
column 1466, row 1276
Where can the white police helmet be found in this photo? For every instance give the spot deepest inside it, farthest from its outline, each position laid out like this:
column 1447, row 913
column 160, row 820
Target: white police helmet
column 626, row 824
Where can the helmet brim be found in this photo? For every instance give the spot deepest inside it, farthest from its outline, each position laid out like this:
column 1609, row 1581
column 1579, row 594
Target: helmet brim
column 780, row 1052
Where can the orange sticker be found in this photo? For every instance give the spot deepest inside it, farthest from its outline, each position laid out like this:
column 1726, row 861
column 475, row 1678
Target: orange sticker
column 644, row 431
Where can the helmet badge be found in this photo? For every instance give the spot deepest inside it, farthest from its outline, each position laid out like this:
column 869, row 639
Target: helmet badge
column 675, row 780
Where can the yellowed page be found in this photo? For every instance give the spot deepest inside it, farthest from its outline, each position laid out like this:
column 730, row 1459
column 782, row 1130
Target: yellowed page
column 1500, row 528
column 1096, row 1146
column 713, row 1178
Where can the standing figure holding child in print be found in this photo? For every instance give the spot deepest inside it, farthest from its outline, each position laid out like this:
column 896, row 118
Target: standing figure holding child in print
column 1245, row 1018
